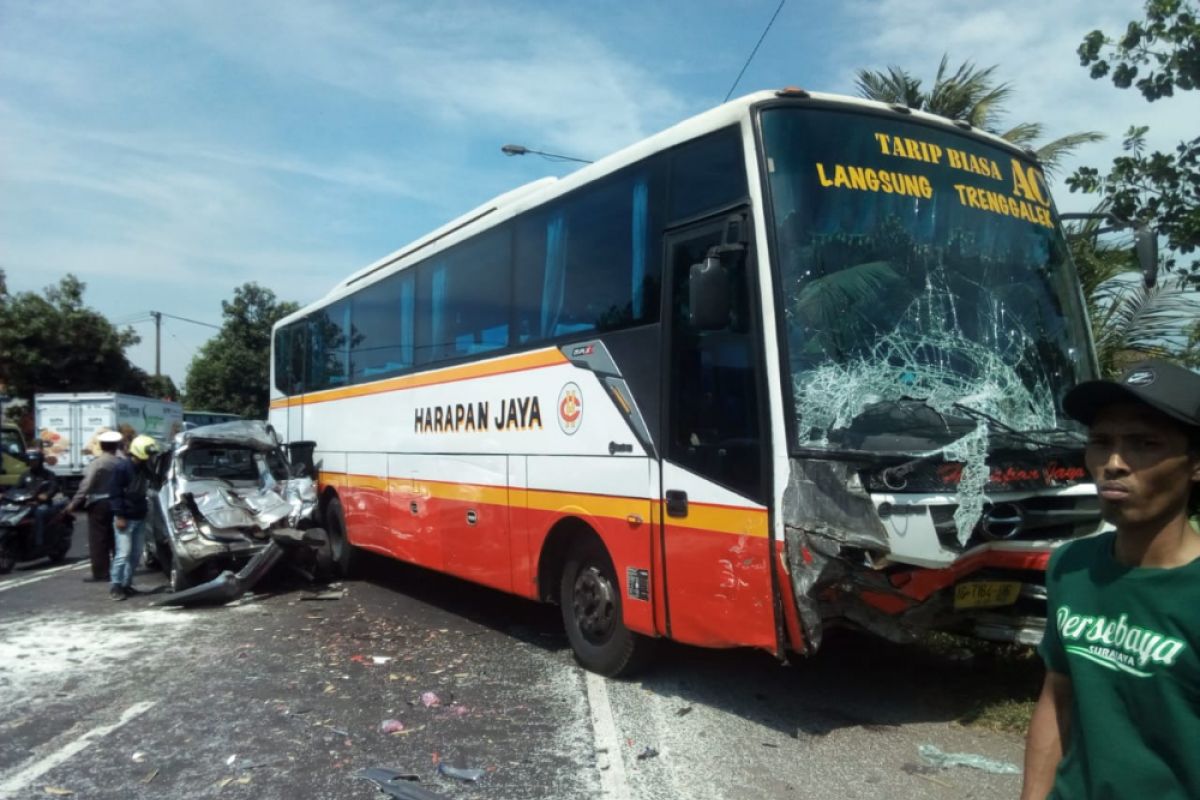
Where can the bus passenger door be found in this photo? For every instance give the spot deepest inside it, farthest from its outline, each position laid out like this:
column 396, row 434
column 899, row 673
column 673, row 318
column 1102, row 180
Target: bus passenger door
column 714, row 523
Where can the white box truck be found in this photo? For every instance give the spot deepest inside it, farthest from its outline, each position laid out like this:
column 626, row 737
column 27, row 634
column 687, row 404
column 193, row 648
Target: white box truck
column 68, row 424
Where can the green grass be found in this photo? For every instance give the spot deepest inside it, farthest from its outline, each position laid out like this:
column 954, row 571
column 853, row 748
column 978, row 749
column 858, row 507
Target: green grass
column 999, row 690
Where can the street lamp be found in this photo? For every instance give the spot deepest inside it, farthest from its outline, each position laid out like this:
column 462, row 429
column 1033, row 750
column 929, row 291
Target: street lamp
column 521, row 150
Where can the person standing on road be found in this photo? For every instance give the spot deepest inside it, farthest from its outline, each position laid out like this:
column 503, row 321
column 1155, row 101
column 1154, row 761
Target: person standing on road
column 93, row 496
column 127, row 496
column 1119, row 711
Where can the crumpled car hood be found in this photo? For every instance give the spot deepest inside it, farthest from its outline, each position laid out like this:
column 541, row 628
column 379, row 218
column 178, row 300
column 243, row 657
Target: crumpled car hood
column 224, row 506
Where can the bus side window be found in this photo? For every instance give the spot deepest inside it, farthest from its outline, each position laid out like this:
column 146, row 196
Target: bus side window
column 381, row 318
column 328, row 339
column 529, row 266
column 707, row 174
column 283, row 379
column 591, row 261
column 463, row 297
column 298, row 355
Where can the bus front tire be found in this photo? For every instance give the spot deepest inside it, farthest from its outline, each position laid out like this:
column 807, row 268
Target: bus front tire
column 590, row 598
column 343, row 556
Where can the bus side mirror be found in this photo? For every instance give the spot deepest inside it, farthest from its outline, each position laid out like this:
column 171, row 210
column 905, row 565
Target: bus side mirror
column 1145, row 244
column 708, row 295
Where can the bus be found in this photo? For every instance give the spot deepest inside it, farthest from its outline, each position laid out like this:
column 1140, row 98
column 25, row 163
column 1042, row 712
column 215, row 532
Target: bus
column 792, row 364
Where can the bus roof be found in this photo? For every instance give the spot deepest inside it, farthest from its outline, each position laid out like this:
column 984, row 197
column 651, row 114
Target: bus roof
column 542, row 190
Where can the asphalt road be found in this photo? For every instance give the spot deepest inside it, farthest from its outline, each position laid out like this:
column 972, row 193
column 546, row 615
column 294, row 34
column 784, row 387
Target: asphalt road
column 283, row 696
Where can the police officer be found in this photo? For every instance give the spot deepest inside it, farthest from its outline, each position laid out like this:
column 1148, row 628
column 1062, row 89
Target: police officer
column 93, row 495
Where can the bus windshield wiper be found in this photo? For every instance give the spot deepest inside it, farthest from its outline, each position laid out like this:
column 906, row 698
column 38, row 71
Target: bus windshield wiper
column 1050, row 437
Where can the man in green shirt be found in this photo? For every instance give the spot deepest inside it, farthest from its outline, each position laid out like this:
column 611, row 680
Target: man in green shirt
column 1119, row 712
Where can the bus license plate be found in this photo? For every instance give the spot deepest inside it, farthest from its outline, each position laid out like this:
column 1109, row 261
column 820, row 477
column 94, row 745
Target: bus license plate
column 986, row 594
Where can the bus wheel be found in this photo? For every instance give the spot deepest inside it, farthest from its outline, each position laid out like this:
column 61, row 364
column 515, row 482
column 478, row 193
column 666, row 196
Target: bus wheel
column 342, row 554
column 590, row 597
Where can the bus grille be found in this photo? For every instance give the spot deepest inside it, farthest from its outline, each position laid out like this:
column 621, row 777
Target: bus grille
column 1029, row 519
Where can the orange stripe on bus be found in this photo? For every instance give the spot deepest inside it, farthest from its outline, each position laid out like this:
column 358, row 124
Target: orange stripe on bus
column 727, row 519
column 717, row 518
column 502, row 366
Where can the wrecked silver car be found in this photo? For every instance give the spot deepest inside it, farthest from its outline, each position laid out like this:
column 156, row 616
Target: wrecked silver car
column 222, row 493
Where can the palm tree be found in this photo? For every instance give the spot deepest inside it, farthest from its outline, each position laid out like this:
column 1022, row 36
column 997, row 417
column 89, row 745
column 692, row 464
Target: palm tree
column 1129, row 321
column 1132, row 322
column 972, row 95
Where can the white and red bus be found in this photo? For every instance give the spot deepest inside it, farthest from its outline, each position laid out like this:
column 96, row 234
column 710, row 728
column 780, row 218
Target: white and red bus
column 792, row 363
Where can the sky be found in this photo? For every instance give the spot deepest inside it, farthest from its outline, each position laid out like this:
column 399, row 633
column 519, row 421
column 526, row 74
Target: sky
column 168, row 151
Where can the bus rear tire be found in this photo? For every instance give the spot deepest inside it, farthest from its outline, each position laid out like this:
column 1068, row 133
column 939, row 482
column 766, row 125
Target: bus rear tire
column 343, row 557
column 590, row 598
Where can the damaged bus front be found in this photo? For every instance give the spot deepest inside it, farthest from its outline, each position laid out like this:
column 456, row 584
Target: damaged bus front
column 929, row 323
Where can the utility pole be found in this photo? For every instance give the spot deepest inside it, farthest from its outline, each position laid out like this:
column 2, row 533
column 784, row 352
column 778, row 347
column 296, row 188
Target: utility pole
column 157, row 342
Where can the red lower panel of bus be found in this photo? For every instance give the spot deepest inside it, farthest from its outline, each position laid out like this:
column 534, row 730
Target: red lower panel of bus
column 718, row 582
column 719, row 588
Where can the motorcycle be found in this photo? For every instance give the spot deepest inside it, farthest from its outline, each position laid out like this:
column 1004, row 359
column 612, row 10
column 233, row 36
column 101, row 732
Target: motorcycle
column 18, row 524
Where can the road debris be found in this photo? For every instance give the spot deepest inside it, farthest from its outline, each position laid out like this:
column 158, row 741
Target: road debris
column 138, row 757
column 683, row 712
column 941, row 760
column 391, row 726
column 394, row 783
column 648, row 752
column 57, row 791
column 922, row 771
column 459, row 773
column 336, row 594
column 430, row 700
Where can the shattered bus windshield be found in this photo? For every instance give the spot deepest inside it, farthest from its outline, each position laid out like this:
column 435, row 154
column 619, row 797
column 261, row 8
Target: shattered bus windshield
column 925, row 284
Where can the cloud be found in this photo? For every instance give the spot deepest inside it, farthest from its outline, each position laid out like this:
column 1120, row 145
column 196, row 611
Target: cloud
column 167, row 154
column 1034, row 43
column 499, row 68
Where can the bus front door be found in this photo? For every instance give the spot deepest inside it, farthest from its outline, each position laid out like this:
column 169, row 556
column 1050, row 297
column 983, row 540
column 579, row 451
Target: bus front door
column 715, row 530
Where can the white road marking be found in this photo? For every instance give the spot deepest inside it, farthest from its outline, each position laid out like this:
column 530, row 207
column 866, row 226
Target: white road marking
column 613, row 783
column 41, row 576
column 30, row 772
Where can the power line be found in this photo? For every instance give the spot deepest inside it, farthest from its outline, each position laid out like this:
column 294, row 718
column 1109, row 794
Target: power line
column 135, row 319
column 755, row 50
column 193, row 321
column 147, row 316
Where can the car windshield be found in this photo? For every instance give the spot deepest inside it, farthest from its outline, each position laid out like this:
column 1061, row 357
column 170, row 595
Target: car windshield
column 917, row 266
column 231, row 464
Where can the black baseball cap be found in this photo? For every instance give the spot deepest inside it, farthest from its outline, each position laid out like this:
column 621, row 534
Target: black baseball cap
column 1166, row 387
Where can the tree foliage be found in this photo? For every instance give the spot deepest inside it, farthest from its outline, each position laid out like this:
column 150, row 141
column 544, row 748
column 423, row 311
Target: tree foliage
column 1167, row 41
column 973, row 95
column 52, row 342
column 232, row 370
column 1158, row 189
